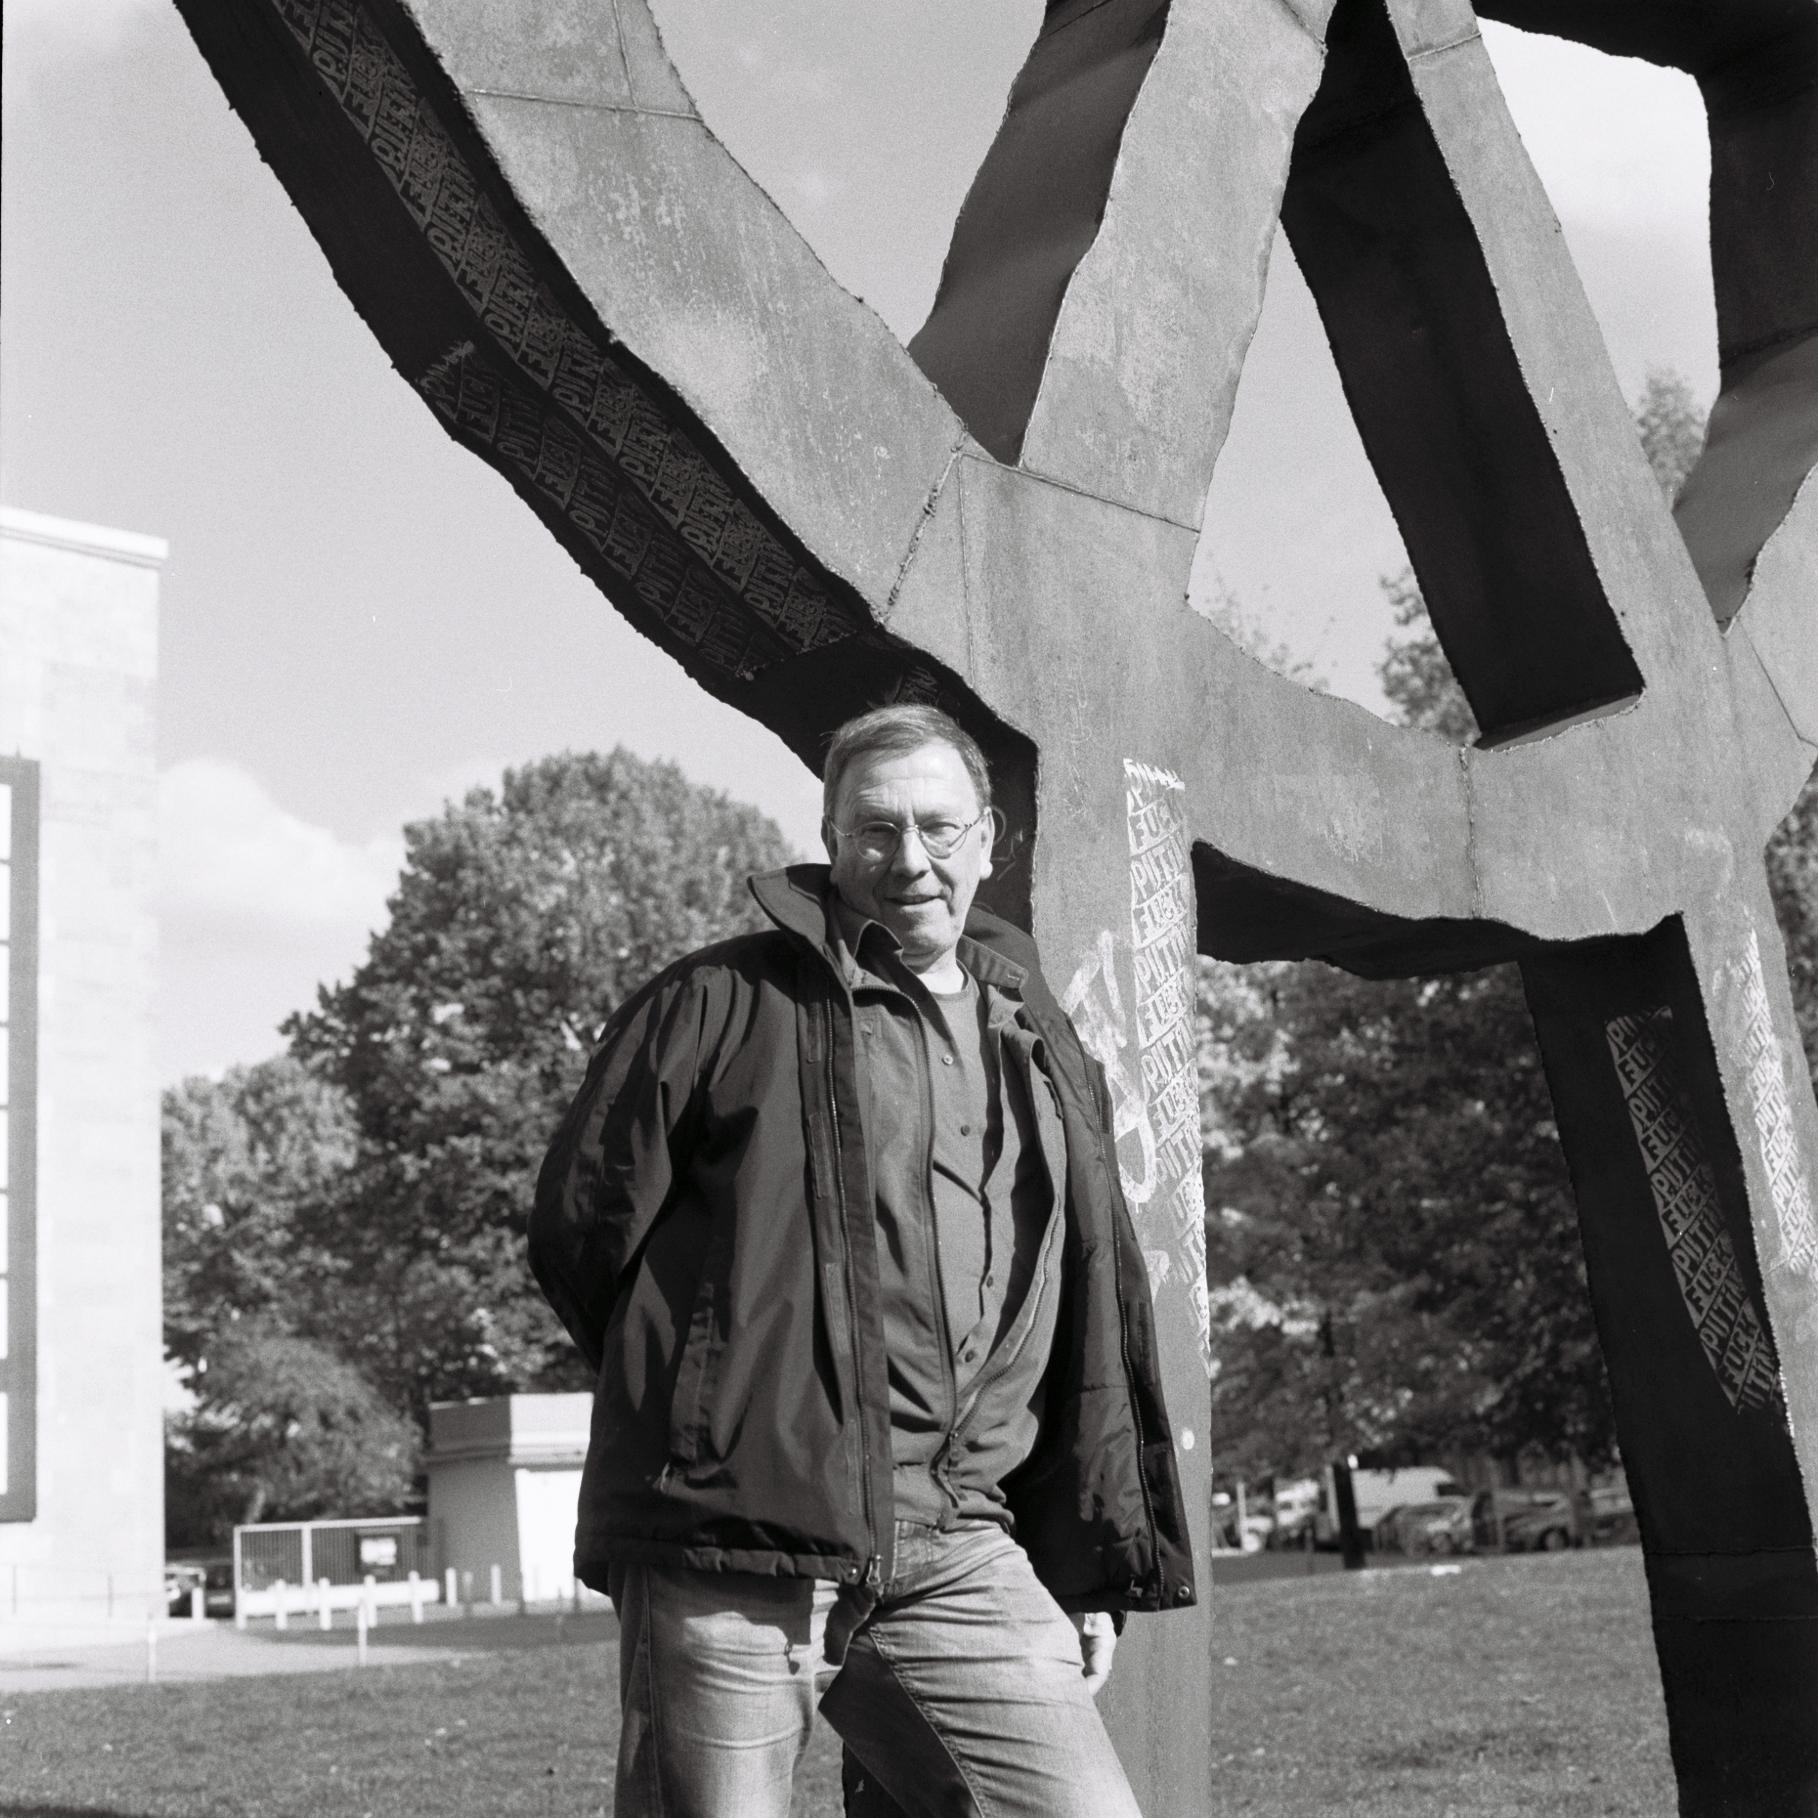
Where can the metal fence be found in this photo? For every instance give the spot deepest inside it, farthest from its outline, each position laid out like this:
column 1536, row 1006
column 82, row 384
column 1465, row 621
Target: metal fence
column 298, row 1564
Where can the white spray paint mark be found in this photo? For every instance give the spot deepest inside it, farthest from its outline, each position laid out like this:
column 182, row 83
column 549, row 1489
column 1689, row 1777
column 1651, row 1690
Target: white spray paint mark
column 1771, row 1106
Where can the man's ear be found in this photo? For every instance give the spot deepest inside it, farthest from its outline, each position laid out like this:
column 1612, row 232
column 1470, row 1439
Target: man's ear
column 827, row 837
column 994, row 823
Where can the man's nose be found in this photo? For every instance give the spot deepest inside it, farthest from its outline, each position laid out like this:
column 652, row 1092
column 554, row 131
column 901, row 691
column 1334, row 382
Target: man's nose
column 911, row 855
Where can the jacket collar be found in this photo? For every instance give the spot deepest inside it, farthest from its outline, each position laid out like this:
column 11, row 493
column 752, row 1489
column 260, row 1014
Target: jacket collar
column 800, row 900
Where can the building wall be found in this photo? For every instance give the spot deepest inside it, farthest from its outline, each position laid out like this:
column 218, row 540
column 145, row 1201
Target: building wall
column 473, row 1516
column 81, row 1520
column 549, row 1498
column 505, row 1486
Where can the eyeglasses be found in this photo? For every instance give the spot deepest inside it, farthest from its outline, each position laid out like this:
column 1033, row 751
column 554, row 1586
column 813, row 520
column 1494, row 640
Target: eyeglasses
column 877, row 841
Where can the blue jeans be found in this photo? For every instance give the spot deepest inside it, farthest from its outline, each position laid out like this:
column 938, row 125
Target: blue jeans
column 960, row 1692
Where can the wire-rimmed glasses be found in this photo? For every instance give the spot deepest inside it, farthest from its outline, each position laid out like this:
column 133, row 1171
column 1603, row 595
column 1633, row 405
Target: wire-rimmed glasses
column 877, row 841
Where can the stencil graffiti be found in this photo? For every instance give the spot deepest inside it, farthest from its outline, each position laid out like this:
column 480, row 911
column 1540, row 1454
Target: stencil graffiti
column 1163, row 953
column 1148, row 1055
column 1685, row 1195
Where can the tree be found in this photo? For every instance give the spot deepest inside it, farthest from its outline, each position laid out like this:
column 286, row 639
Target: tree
column 282, row 1429
column 1391, row 1215
column 251, row 1163
column 278, row 1424
column 522, row 918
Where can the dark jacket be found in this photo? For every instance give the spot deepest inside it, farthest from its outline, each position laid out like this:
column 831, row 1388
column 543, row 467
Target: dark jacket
column 703, row 1228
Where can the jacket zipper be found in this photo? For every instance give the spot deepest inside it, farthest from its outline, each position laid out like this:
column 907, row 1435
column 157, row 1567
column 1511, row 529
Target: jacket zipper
column 873, row 1577
column 938, row 1298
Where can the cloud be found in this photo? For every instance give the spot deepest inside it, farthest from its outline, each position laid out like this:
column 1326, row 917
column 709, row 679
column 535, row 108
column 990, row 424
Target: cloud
column 257, row 907
column 230, row 855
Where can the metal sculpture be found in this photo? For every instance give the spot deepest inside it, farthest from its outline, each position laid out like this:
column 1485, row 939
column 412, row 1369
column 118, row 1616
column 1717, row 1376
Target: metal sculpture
column 579, row 280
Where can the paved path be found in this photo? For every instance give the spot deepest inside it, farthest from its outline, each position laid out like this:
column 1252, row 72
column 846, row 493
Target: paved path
column 43, row 1658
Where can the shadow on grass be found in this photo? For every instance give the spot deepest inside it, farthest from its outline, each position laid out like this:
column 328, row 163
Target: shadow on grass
column 11, row 1809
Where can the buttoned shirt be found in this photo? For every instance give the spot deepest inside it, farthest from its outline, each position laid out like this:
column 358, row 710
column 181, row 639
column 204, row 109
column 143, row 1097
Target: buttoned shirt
column 966, row 1155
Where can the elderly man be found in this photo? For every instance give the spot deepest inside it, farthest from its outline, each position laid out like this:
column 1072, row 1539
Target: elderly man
column 835, row 1219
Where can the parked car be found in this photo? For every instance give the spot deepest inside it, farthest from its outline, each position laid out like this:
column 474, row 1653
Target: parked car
column 1443, row 1526
column 181, row 1577
column 1610, row 1517
column 1375, row 1493
column 1250, row 1535
column 218, row 1587
column 1525, row 1521
column 215, row 1577
column 1296, row 1507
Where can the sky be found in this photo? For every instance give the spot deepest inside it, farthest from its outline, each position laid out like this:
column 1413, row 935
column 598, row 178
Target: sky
column 360, row 621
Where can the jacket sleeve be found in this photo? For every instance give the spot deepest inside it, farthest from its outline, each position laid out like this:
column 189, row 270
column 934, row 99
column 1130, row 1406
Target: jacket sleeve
column 617, row 1155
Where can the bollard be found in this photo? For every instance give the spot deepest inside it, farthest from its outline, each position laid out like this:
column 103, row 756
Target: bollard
column 325, row 1613
column 574, row 1593
column 416, row 1598
column 360, row 1634
column 467, row 1593
column 198, row 1604
column 451, row 1594
column 526, row 1578
column 151, row 1650
column 280, row 1593
column 497, row 1586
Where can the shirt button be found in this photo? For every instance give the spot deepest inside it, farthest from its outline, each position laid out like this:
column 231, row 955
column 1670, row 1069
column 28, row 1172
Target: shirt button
column 946, row 1060
column 965, row 1129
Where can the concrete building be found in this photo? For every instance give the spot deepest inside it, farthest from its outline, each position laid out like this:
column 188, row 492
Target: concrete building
column 81, row 1356
column 504, row 1485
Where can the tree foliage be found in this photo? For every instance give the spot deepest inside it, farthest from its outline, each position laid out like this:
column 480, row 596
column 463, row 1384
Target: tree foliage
column 1390, row 1213
column 251, row 1164
column 282, row 1429
column 279, row 1426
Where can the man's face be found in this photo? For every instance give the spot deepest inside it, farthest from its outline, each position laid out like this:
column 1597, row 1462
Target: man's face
column 921, row 899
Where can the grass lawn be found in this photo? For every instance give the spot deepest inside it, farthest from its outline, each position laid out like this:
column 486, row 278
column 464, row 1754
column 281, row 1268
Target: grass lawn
column 1513, row 1687
column 1516, row 1686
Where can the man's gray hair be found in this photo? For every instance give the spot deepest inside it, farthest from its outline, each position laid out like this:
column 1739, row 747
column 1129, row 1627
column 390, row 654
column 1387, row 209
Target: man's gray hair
column 892, row 731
